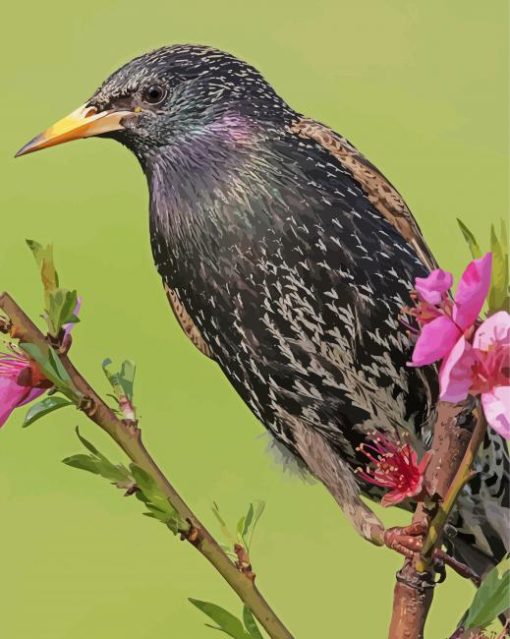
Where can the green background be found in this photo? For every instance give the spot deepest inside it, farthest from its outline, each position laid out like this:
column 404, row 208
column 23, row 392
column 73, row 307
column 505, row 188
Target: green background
column 421, row 89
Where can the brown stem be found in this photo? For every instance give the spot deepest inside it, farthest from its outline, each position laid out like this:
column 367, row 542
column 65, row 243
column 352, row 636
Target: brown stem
column 128, row 436
column 458, row 432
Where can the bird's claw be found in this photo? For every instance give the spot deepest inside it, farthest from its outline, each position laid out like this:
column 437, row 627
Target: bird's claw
column 408, row 541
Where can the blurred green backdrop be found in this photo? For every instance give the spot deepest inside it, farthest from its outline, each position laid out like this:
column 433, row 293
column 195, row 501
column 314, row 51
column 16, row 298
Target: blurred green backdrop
column 421, row 88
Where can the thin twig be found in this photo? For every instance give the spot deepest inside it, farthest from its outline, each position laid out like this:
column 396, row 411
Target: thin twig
column 129, row 437
column 458, row 432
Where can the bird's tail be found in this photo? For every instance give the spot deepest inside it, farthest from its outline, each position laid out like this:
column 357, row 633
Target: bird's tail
column 482, row 520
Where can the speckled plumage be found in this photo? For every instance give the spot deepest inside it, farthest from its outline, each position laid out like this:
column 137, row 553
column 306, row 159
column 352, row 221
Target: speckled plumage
column 290, row 268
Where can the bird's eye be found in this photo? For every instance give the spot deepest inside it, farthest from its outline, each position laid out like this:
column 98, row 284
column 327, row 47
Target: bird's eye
column 154, row 94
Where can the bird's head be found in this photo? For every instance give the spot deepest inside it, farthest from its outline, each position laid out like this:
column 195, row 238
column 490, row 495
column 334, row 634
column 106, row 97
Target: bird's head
column 167, row 95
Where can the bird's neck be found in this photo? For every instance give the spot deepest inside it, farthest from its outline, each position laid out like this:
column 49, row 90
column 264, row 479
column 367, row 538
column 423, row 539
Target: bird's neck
column 199, row 189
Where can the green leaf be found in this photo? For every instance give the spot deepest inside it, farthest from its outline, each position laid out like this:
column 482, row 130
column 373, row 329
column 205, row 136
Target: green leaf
column 44, row 407
column 491, row 599
column 44, row 257
column 60, row 309
column 52, row 369
column 250, row 624
column 121, row 381
column 240, row 527
column 149, row 487
column 59, row 370
column 98, row 464
column 84, row 462
column 248, row 519
column 156, row 501
column 470, row 239
column 226, row 621
column 498, row 294
column 504, row 238
column 59, row 302
column 127, row 478
column 258, row 511
column 216, row 512
column 127, row 378
column 227, row 534
column 89, row 446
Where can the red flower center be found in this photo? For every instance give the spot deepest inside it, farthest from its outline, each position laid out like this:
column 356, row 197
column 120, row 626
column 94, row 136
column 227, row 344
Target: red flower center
column 491, row 368
column 393, row 466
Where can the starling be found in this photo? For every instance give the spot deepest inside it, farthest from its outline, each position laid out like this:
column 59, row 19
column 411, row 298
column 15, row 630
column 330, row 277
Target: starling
column 287, row 257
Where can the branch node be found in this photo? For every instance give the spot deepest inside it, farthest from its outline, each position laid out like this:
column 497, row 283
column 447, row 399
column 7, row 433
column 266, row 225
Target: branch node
column 132, row 426
column 88, row 406
column 243, row 563
column 193, row 534
column 5, row 325
column 419, row 581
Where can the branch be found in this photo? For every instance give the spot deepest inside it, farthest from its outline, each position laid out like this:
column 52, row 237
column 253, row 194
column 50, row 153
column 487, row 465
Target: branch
column 458, row 432
column 129, row 438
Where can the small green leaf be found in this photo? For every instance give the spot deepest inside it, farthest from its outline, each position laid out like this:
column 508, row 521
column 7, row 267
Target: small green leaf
column 60, row 372
column 156, row 501
column 250, row 624
column 98, row 464
column 498, row 293
column 504, row 237
column 470, row 239
column 216, row 512
column 44, row 407
column 226, row 621
column 491, row 599
column 258, row 511
column 44, row 257
column 52, row 369
column 248, row 520
column 83, row 462
column 121, row 381
column 127, row 378
column 60, row 309
column 89, row 446
column 227, row 534
column 240, row 527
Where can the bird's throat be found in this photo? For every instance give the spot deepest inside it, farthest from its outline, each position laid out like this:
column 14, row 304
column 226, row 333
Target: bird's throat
column 204, row 192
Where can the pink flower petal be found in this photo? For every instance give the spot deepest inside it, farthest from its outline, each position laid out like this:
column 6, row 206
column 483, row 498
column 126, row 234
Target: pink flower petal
column 11, row 364
column 33, row 393
column 432, row 288
column 472, row 291
column 393, row 497
column 496, row 407
column 435, row 341
column 455, row 374
column 494, row 330
column 11, row 395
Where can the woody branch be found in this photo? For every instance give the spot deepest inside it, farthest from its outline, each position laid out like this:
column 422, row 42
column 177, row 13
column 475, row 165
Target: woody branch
column 128, row 436
column 458, row 433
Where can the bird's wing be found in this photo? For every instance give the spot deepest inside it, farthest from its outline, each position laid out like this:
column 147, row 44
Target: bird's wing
column 381, row 193
column 185, row 322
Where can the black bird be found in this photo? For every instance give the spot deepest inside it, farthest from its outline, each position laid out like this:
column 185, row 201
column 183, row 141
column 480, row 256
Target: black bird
column 287, row 258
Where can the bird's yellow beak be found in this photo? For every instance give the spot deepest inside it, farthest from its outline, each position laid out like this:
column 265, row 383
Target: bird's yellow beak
column 85, row 122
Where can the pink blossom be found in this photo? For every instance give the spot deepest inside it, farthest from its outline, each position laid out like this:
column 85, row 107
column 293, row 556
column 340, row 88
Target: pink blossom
column 393, row 466
column 482, row 368
column 443, row 323
column 20, row 382
column 433, row 289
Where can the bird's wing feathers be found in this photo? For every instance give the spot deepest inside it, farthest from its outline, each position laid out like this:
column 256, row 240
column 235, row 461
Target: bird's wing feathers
column 185, row 322
column 381, row 193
